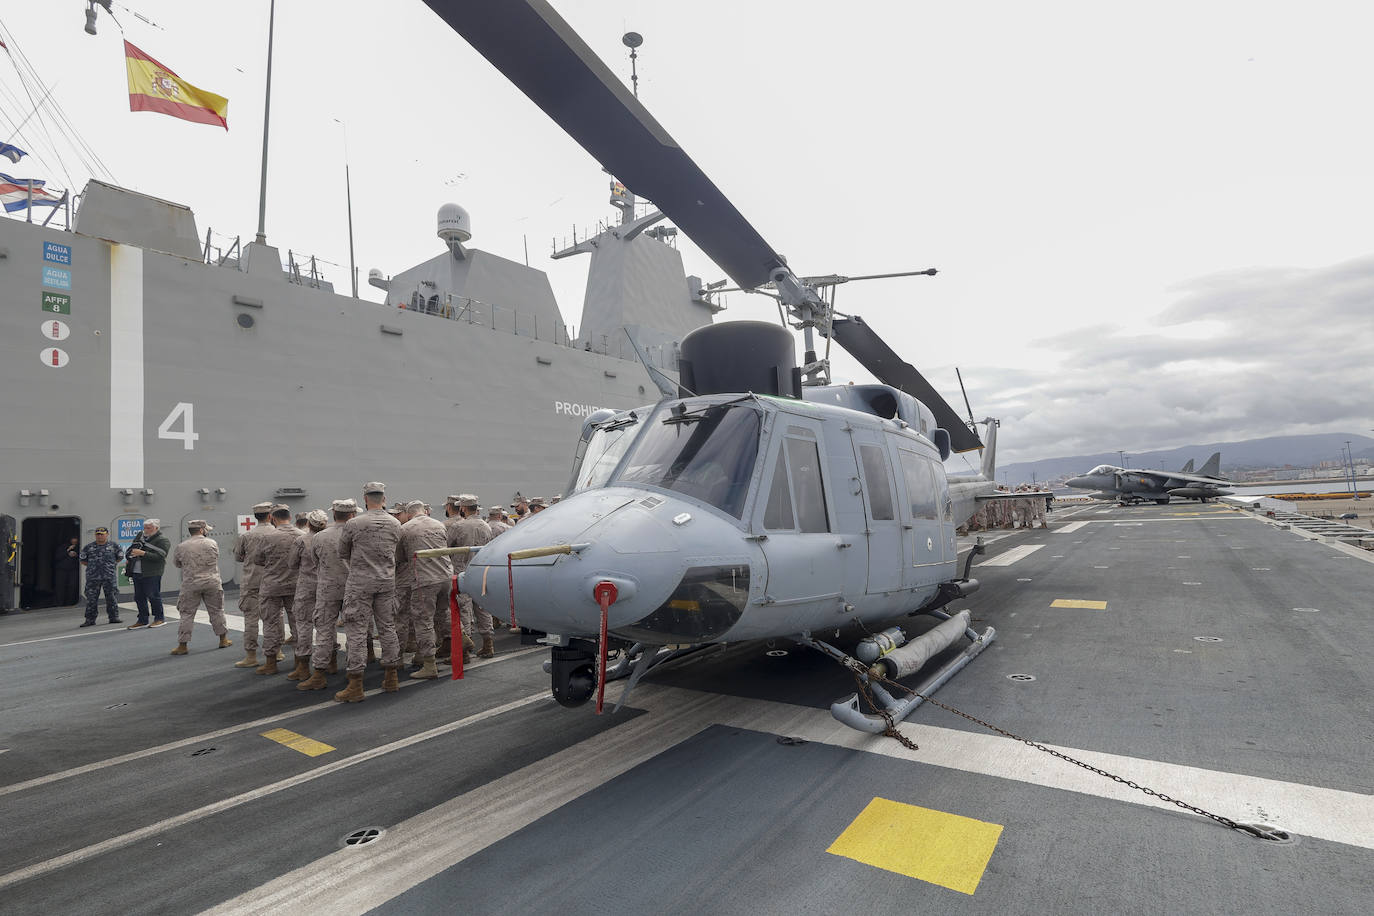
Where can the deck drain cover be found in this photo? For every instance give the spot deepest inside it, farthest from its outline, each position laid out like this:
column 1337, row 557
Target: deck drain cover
column 362, row 837
column 1208, row 638
column 1020, row 677
column 776, row 653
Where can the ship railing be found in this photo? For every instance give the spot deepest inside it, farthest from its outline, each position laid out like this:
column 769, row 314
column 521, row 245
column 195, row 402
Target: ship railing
column 504, row 319
column 489, row 315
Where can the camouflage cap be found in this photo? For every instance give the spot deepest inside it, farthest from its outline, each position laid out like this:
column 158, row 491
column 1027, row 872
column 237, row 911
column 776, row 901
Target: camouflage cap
column 415, row 506
column 375, row 486
column 452, row 499
column 397, row 508
column 344, row 505
column 280, row 506
column 537, row 501
column 262, row 507
column 468, row 501
column 197, row 523
column 496, row 510
column 317, row 518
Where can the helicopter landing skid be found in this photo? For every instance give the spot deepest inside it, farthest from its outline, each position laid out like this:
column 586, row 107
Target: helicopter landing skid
column 892, row 710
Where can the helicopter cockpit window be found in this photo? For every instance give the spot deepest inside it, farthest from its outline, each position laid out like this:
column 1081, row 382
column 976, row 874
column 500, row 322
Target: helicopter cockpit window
column 604, row 451
column 879, row 486
column 804, row 460
column 704, row 452
column 920, row 486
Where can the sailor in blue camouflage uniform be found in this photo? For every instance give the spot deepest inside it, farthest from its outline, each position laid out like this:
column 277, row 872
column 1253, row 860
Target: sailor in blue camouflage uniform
column 101, row 558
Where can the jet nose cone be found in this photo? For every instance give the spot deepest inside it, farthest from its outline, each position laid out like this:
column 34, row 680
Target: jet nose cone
column 1078, row 482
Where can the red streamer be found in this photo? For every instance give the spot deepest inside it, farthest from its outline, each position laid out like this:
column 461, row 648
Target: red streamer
column 510, row 581
column 605, row 596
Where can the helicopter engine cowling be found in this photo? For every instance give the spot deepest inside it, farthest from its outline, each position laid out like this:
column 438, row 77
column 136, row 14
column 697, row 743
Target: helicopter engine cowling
column 740, row 356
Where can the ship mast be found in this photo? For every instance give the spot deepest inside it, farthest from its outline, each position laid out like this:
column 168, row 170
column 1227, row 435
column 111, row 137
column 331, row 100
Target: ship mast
column 266, row 121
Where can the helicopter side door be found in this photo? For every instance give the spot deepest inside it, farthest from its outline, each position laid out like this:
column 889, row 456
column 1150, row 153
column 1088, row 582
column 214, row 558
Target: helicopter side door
column 797, row 521
column 925, row 561
column 885, row 534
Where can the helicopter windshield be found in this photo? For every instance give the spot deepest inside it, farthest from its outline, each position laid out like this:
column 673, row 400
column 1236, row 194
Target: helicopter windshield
column 604, row 451
column 704, row 452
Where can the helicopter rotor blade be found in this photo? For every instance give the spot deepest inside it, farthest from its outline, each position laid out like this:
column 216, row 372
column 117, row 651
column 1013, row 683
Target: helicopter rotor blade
column 873, row 353
column 539, row 52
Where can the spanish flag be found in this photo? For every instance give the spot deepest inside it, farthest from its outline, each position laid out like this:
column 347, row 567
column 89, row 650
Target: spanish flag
column 153, row 87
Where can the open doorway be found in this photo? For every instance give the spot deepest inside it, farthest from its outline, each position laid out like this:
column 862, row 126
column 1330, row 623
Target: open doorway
column 48, row 575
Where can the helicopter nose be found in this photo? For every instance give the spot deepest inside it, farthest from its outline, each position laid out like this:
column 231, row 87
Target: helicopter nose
column 641, row 548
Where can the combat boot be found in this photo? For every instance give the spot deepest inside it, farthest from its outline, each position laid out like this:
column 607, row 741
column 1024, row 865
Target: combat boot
column 333, row 663
column 469, row 647
column 180, row 649
column 250, row 660
column 225, row 642
column 488, row 649
column 445, row 649
column 389, row 682
column 427, row 670
column 316, row 681
column 302, row 670
column 269, row 666
column 353, row 693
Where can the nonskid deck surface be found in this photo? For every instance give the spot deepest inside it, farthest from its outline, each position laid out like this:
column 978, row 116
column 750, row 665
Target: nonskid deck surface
column 1195, row 650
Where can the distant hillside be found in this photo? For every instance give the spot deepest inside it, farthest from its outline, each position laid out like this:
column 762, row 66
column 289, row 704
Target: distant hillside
column 1272, row 451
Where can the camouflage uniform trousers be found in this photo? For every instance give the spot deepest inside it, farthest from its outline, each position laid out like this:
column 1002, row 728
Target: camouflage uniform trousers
column 273, row 611
column 364, row 602
column 471, row 609
column 248, row 607
column 188, row 602
column 443, row 621
column 303, row 614
column 93, row 589
column 326, row 625
column 404, row 629
column 418, row 601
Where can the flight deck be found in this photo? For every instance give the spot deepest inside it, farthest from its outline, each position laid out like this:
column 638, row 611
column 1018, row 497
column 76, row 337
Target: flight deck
column 1198, row 651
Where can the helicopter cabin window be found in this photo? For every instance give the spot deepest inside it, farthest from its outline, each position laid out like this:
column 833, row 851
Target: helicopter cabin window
column 804, row 461
column 705, row 451
column 920, row 485
column 879, row 484
column 777, row 514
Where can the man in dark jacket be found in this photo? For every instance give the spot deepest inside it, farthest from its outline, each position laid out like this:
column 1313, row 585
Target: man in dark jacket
column 101, row 558
column 147, row 559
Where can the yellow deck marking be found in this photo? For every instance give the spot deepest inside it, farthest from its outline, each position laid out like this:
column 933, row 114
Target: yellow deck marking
column 945, row 849
column 1076, row 602
column 307, row 746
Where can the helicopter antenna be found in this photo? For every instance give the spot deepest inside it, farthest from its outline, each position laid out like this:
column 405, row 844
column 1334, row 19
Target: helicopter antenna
column 971, row 425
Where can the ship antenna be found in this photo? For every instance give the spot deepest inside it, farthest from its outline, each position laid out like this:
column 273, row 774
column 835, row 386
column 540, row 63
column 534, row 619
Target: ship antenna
column 633, row 40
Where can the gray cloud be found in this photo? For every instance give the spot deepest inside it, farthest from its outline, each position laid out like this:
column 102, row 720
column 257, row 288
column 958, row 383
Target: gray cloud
column 1287, row 351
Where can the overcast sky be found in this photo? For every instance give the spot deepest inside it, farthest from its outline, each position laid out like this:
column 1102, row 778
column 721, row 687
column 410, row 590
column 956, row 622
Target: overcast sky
column 1151, row 222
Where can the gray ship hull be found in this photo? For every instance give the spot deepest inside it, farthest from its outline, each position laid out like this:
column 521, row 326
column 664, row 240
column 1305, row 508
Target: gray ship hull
column 183, row 389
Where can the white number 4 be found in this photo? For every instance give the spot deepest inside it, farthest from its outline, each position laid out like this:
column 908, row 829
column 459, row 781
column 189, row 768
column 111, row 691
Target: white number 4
column 188, row 434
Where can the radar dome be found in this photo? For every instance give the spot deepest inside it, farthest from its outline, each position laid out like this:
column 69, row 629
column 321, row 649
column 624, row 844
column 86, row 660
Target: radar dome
column 374, row 274
column 454, row 224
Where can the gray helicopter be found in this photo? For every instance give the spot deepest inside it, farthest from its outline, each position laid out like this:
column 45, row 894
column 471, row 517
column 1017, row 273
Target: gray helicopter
column 755, row 500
